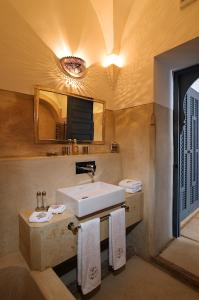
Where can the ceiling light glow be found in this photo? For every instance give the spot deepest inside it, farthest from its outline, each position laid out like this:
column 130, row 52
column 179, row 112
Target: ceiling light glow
column 62, row 51
column 113, row 59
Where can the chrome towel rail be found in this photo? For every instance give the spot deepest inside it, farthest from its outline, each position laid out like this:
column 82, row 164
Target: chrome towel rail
column 74, row 229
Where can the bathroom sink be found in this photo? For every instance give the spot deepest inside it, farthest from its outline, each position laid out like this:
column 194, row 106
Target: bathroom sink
column 88, row 198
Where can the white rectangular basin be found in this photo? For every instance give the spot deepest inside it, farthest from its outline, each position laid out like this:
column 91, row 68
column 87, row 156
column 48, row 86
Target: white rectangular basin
column 89, row 198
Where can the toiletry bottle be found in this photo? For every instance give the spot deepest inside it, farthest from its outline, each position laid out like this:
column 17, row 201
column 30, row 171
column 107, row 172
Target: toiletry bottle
column 85, row 150
column 38, row 195
column 64, row 150
column 43, row 200
column 69, row 147
column 75, row 148
column 114, row 147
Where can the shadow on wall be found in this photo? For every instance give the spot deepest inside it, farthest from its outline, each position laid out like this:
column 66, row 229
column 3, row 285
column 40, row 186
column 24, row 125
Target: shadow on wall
column 135, row 132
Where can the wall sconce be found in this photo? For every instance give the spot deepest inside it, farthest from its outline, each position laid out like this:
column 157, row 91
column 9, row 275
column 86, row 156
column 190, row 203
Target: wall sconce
column 113, row 59
column 73, row 66
column 113, row 63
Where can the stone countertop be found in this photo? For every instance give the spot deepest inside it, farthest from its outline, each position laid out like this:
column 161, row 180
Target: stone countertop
column 56, row 218
column 65, row 215
column 39, row 241
column 59, row 156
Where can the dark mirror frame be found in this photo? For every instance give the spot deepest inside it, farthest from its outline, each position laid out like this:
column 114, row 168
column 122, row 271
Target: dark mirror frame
column 54, row 141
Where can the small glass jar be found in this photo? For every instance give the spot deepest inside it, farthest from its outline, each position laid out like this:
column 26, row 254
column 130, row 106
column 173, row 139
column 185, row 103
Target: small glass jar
column 115, row 147
column 85, row 150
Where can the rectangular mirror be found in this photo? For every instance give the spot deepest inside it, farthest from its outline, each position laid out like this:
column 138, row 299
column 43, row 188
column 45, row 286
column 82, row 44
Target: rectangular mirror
column 59, row 117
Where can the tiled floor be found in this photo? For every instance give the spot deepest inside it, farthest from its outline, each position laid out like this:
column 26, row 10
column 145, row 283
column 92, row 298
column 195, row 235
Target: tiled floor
column 191, row 229
column 69, row 279
column 184, row 253
column 143, row 281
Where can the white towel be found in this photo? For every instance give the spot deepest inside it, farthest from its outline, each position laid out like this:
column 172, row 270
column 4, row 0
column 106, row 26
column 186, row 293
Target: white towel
column 133, row 190
column 40, row 217
column 130, row 183
column 88, row 255
column 117, row 239
column 57, row 209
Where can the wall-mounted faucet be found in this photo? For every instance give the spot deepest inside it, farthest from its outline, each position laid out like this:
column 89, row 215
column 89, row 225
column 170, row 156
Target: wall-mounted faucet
column 88, row 167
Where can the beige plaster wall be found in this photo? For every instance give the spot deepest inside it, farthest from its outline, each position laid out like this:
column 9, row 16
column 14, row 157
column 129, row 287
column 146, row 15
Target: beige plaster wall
column 163, row 200
column 21, row 178
column 135, row 132
column 17, row 128
column 152, row 27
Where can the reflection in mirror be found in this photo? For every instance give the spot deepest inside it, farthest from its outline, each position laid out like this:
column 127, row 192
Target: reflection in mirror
column 52, row 115
column 59, row 117
column 98, row 115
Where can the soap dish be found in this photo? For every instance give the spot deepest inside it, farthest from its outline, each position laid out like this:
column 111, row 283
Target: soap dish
column 40, row 217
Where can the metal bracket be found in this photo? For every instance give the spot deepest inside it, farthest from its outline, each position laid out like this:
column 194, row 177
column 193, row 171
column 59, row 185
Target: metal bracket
column 71, row 226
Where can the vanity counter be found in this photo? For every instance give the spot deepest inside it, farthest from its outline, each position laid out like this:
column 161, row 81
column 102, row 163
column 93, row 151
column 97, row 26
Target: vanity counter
column 51, row 243
column 56, row 218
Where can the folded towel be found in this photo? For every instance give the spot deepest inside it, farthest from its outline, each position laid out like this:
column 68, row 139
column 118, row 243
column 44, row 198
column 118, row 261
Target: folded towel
column 133, row 190
column 117, row 239
column 88, row 255
column 130, row 183
column 40, row 217
column 57, row 209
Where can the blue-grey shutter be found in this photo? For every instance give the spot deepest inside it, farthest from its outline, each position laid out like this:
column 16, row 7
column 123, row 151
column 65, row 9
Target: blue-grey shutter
column 189, row 163
column 80, row 124
column 183, row 165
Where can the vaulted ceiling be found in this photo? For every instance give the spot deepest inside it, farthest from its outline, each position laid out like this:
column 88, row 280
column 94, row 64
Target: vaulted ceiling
column 86, row 27
column 33, row 31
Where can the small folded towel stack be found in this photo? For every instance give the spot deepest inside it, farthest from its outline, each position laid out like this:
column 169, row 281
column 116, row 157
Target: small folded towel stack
column 130, row 185
column 40, row 217
column 57, row 209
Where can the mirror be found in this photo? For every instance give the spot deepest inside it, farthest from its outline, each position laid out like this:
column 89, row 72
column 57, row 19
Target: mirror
column 59, row 117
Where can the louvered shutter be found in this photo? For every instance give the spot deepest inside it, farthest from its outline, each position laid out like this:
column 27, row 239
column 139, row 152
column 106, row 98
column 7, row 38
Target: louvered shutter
column 80, row 124
column 189, row 162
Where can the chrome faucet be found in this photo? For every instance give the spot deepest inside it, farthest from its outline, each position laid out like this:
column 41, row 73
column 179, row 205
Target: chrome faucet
column 90, row 171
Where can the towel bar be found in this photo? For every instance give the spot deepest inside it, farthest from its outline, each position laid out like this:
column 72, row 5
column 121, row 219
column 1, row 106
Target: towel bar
column 71, row 226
